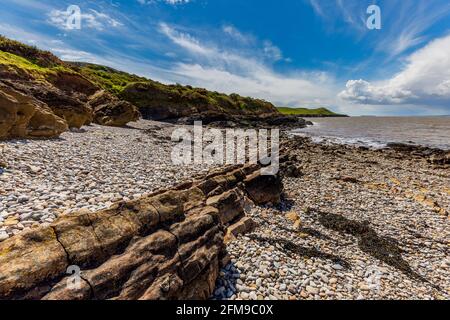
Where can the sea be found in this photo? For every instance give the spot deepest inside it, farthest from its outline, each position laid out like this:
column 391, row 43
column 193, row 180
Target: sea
column 377, row 132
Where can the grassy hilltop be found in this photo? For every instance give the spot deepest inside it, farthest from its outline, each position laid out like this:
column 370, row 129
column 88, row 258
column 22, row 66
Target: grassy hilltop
column 305, row 112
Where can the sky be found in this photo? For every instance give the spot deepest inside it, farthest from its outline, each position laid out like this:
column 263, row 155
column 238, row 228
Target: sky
column 296, row 53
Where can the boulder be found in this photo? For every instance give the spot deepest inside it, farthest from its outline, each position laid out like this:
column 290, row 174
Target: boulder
column 110, row 111
column 263, row 189
column 22, row 116
column 243, row 226
column 66, row 106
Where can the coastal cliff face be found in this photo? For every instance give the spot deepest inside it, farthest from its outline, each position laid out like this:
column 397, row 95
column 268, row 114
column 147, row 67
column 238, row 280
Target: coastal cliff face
column 42, row 79
column 81, row 94
column 161, row 102
column 168, row 245
column 157, row 101
column 23, row 116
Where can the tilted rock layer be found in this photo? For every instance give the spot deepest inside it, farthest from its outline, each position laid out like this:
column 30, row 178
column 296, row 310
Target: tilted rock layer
column 168, row 245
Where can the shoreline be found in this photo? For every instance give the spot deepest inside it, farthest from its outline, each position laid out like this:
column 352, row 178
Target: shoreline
column 364, row 142
column 348, row 214
column 339, row 202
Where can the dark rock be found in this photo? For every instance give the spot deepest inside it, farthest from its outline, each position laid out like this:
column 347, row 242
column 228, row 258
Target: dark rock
column 110, row 111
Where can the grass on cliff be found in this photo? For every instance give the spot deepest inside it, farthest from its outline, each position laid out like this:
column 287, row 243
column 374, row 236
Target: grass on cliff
column 21, row 64
column 36, row 56
column 307, row 112
column 119, row 83
column 107, row 78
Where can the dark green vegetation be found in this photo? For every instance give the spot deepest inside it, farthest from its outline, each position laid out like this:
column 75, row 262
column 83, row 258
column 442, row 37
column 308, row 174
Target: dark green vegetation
column 160, row 101
column 304, row 112
column 107, row 78
column 25, row 61
column 35, row 56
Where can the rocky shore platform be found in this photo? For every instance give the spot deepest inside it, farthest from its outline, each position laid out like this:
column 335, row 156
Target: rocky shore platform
column 349, row 223
column 354, row 223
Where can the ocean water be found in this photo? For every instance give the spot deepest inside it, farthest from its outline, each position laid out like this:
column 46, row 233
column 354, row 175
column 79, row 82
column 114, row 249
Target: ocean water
column 376, row 132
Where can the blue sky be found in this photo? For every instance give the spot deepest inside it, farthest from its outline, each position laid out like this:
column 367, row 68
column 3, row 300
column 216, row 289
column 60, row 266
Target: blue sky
column 305, row 53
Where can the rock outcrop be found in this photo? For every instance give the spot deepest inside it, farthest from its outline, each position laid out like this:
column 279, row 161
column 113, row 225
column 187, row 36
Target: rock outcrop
column 75, row 112
column 173, row 102
column 110, row 111
column 22, row 116
column 168, row 245
column 434, row 156
column 42, row 76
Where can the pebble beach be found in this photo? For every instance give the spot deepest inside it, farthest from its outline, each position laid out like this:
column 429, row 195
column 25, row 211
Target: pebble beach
column 357, row 224
column 354, row 224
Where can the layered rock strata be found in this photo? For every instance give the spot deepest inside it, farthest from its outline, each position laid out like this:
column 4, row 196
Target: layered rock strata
column 168, row 245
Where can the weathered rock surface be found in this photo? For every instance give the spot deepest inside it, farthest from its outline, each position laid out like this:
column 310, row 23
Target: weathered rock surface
column 64, row 105
column 433, row 155
column 22, row 116
column 110, row 111
column 163, row 246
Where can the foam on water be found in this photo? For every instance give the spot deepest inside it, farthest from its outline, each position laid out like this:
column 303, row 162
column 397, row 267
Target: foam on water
column 377, row 132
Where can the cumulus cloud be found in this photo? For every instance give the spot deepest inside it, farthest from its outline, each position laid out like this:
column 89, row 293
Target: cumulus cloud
column 425, row 79
column 91, row 19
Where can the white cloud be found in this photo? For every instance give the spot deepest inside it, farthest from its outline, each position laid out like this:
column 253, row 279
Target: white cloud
column 171, row 2
column 243, row 72
column 237, row 35
column 272, row 52
column 74, row 55
column 92, row 19
column 424, row 80
column 405, row 24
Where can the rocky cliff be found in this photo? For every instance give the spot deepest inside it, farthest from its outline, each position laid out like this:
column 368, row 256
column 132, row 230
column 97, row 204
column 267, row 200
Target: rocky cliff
column 41, row 77
column 23, row 116
column 169, row 245
column 81, row 93
column 158, row 101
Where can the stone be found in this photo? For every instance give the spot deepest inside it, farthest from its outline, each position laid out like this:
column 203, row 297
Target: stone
column 263, row 189
column 244, row 295
column 110, row 111
column 293, row 216
column 312, row 290
column 243, row 226
column 297, row 225
column 22, row 199
column 3, row 236
column 337, row 267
